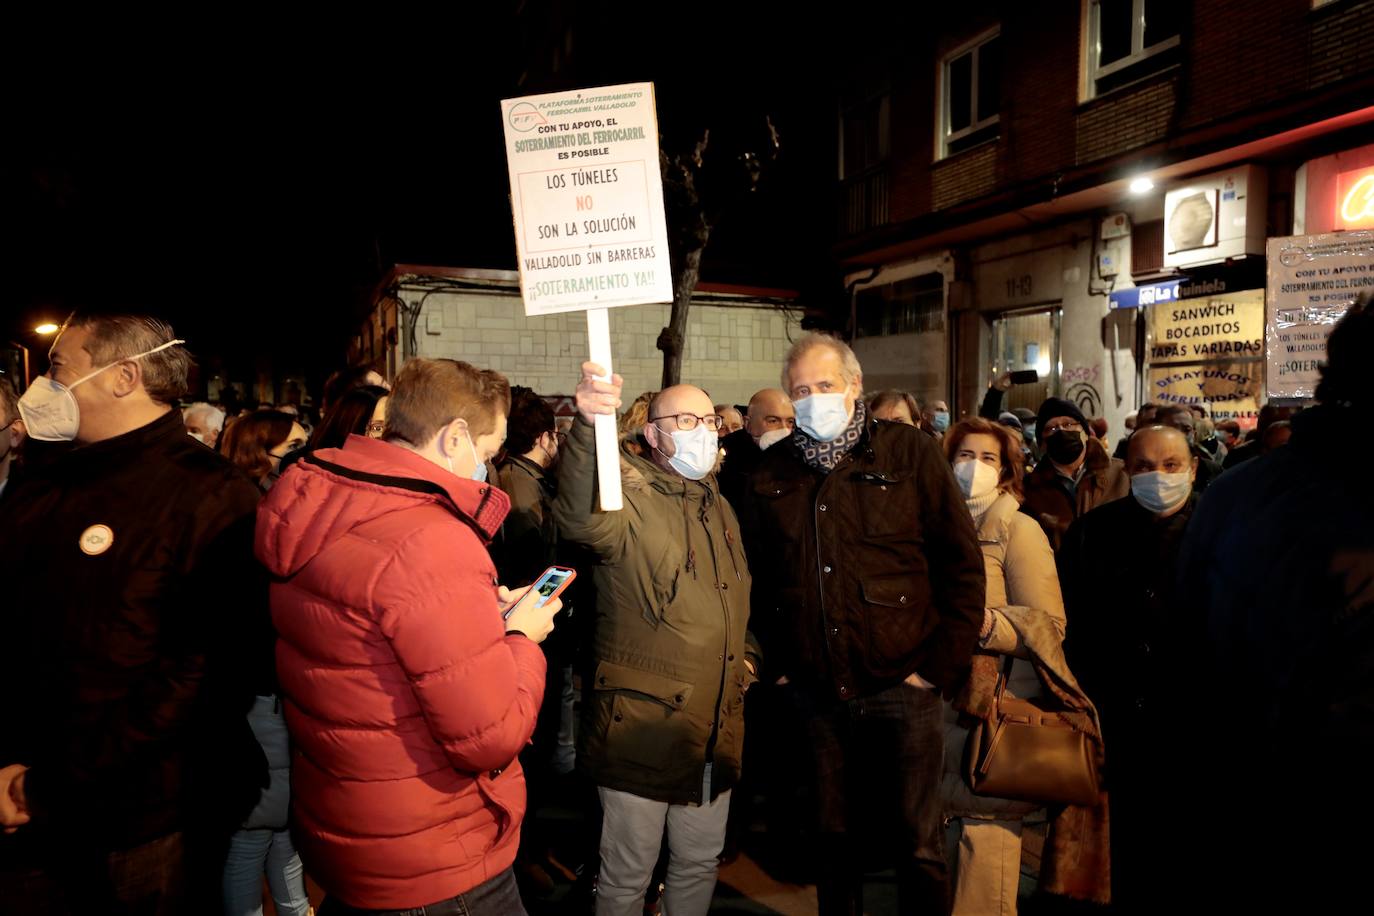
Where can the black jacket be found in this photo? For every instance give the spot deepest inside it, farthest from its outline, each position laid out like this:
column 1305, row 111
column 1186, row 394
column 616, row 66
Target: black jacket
column 528, row 541
column 137, row 633
column 1125, row 640
column 1280, row 561
column 742, row 457
column 1279, row 564
column 873, row 570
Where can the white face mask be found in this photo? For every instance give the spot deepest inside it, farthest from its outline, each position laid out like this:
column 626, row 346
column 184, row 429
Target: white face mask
column 49, row 409
column 976, row 478
column 1160, row 492
column 822, row 416
column 771, row 438
column 694, row 452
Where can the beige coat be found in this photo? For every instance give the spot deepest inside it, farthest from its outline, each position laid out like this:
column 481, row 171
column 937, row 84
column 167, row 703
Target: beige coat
column 1020, row 573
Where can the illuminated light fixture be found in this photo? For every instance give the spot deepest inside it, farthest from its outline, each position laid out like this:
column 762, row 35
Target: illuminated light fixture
column 1355, row 199
column 1141, row 185
column 46, row 328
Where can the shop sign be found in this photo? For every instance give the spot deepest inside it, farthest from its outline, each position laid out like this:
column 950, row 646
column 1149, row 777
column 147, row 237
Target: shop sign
column 1229, row 391
column 1215, row 327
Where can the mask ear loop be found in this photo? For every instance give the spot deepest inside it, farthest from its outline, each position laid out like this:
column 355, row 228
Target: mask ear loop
column 90, row 375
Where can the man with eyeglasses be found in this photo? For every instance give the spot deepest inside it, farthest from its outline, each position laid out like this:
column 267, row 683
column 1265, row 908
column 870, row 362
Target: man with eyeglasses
column 662, row 726
column 11, row 432
column 1076, row 474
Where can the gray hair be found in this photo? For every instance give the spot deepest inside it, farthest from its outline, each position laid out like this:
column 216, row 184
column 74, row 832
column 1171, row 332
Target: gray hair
column 200, row 407
column 849, row 363
column 118, row 337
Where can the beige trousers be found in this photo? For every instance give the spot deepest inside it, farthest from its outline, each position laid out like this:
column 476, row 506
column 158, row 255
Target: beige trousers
column 985, row 865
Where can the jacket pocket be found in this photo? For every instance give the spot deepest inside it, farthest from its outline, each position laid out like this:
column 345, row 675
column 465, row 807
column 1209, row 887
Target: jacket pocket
column 897, row 619
column 653, row 586
column 647, row 725
column 887, row 503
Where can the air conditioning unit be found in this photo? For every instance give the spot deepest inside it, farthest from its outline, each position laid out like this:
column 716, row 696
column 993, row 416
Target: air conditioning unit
column 1214, row 217
column 1115, row 226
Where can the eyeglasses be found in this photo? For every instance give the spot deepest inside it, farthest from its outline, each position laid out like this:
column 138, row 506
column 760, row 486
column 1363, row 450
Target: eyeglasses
column 688, row 421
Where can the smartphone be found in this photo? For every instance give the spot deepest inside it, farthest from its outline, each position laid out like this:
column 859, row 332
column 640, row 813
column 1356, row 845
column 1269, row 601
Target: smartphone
column 547, row 587
column 1024, row 377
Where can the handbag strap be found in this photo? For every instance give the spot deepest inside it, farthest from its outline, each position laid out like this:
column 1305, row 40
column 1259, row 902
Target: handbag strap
column 1004, row 675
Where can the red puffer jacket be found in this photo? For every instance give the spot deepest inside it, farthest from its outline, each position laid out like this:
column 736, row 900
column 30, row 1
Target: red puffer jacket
column 406, row 701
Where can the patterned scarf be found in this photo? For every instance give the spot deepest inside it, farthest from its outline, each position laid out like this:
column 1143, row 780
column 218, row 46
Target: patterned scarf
column 823, row 456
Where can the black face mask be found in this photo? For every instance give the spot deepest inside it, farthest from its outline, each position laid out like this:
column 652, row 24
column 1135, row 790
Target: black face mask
column 1064, row 446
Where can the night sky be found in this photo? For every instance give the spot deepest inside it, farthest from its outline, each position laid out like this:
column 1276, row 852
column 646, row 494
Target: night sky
column 255, row 193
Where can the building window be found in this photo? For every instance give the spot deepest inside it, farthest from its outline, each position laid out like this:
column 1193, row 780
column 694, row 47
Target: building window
column 864, row 133
column 1130, row 39
column 971, row 91
column 910, row 306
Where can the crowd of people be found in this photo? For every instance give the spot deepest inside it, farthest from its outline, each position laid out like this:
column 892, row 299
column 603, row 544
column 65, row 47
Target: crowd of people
column 262, row 645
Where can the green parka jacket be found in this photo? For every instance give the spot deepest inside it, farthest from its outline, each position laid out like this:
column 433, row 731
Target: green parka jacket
column 668, row 673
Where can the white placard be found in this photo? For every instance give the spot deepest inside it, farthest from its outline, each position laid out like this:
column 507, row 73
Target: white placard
column 587, row 199
column 1312, row 281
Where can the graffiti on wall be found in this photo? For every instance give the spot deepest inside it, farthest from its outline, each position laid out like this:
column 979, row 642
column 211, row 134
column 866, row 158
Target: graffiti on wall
column 1082, row 382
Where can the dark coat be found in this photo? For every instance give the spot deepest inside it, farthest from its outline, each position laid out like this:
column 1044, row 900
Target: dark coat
column 132, row 650
column 670, row 636
column 1279, row 566
column 742, row 457
column 1054, row 503
column 1280, row 559
column 527, row 543
column 1131, row 649
column 874, row 569
column 1117, row 568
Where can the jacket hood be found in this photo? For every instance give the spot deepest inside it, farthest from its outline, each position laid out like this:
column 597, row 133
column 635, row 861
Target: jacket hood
column 331, row 492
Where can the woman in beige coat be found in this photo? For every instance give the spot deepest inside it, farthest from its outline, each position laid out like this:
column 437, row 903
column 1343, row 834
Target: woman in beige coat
column 983, row 838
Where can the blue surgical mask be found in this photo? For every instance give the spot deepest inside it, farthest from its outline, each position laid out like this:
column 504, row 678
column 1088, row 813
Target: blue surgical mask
column 479, row 469
column 822, row 416
column 940, row 421
column 694, row 452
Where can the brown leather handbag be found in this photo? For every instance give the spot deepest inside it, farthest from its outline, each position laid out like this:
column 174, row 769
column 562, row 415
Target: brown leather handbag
column 1028, row 751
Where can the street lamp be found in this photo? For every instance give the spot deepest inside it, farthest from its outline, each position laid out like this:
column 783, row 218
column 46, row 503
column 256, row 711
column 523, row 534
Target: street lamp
column 46, row 328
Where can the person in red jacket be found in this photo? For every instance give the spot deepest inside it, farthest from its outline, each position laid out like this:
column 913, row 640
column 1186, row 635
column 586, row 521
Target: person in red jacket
column 407, row 695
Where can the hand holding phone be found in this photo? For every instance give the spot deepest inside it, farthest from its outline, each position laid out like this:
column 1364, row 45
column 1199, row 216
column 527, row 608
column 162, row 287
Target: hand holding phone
column 531, row 610
column 1025, row 377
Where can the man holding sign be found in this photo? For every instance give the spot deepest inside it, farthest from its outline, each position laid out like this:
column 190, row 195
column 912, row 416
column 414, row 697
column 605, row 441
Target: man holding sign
column 663, row 723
